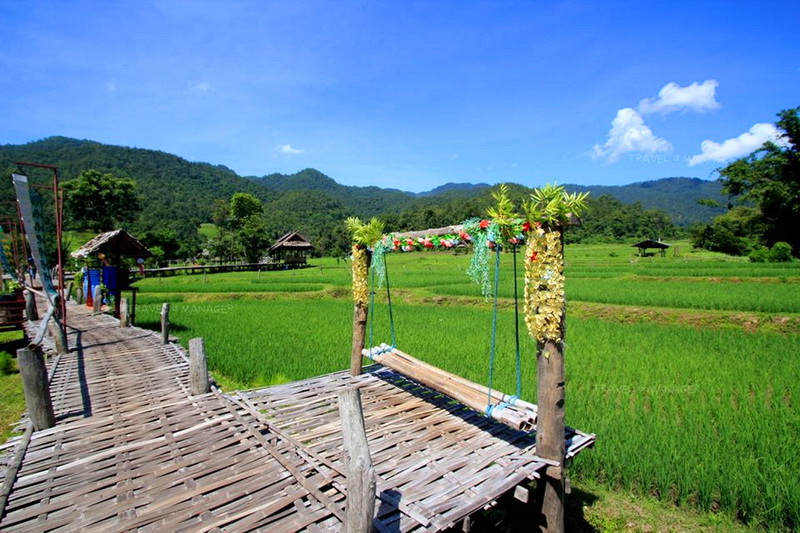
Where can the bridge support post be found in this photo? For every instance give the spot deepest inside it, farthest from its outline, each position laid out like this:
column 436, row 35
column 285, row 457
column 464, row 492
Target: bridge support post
column 124, row 314
column 550, row 441
column 360, row 508
column 97, row 301
column 30, row 306
column 165, row 323
column 359, row 334
column 198, row 369
column 36, row 389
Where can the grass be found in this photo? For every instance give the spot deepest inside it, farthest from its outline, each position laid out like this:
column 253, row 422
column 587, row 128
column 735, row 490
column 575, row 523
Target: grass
column 12, row 400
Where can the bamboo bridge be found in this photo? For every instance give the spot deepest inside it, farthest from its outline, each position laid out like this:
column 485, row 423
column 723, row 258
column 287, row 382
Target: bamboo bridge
column 133, row 450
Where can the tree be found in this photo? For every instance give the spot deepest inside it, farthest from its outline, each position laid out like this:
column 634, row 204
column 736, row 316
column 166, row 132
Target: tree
column 736, row 232
column 99, row 201
column 243, row 232
column 244, row 207
column 166, row 240
column 769, row 178
column 253, row 238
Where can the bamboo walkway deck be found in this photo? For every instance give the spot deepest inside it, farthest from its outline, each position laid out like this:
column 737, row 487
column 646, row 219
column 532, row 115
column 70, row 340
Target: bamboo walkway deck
column 133, row 451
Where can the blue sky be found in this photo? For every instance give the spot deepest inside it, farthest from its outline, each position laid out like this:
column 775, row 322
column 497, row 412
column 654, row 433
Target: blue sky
column 407, row 94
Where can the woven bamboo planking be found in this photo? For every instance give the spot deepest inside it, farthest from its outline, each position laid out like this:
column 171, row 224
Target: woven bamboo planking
column 132, row 450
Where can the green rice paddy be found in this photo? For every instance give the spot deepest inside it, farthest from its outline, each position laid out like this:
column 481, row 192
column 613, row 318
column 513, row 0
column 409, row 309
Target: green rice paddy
column 703, row 417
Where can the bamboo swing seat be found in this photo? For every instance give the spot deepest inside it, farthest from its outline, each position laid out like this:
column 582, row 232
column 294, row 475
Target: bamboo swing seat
column 502, row 407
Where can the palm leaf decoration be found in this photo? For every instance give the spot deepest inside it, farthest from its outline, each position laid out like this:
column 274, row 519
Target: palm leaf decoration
column 552, row 205
column 365, row 233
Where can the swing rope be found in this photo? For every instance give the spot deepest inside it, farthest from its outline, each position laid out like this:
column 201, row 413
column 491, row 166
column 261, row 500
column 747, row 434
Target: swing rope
column 371, row 311
column 493, row 345
column 516, row 325
column 492, row 350
column 489, row 405
column 389, row 301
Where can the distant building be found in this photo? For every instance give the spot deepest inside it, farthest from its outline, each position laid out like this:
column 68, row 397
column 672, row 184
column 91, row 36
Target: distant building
column 291, row 249
column 658, row 245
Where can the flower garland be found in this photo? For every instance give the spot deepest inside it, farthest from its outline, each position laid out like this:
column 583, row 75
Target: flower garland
column 544, row 284
column 547, row 210
column 360, row 267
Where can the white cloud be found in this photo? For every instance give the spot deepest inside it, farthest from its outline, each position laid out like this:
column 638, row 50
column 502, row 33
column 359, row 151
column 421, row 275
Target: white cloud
column 288, row 150
column 737, row 147
column 673, row 97
column 111, row 86
column 201, row 87
column 629, row 133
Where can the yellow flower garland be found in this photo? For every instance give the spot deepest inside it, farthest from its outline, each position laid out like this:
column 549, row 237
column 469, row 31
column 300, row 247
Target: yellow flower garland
column 360, row 268
column 544, row 284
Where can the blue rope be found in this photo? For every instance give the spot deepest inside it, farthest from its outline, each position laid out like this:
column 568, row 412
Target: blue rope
column 516, row 325
column 371, row 311
column 494, row 329
column 389, row 300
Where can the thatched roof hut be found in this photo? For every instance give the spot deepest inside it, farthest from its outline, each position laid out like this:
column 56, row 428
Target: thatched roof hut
column 291, row 248
column 658, row 245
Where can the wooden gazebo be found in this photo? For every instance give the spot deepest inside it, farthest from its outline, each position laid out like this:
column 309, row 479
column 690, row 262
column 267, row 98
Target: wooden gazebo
column 108, row 249
column 291, row 249
column 658, row 245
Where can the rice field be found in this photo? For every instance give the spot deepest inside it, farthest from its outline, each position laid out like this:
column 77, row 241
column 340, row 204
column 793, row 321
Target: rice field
column 702, row 417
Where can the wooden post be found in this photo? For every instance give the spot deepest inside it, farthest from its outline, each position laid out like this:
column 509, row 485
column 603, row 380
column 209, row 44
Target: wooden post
column 360, row 507
column 550, row 443
column 124, row 317
column 56, row 330
column 68, row 294
column 30, row 306
column 165, row 323
column 198, row 369
column 36, row 388
column 132, row 311
column 359, row 334
column 97, row 302
column 79, row 296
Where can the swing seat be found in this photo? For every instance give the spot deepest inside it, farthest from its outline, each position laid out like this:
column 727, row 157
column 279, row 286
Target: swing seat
column 502, row 407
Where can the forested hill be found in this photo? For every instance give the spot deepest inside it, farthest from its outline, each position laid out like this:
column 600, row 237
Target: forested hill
column 179, row 194
column 675, row 196
column 366, row 201
column 176, row 193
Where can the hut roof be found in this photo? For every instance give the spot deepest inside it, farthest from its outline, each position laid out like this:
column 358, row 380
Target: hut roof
column 651, row 244
column 118, row 242
column 291, row 241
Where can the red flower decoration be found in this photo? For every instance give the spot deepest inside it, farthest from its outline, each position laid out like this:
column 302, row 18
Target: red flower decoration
column 484, row 224
column 526, row 227
column 513, row 240
column 534, row 256
column 464, row 236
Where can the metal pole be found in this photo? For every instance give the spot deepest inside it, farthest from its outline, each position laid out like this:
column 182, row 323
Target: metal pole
column 25, row 255
column 59, row 206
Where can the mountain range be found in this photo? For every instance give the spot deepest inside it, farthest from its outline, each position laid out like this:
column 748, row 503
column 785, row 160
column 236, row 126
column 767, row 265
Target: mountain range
column 180, row 194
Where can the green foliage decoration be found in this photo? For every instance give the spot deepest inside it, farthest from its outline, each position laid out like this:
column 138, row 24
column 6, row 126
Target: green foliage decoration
column 365, row 235
column 553, row 205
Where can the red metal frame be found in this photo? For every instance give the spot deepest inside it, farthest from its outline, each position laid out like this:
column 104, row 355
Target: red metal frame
column 58, row 198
